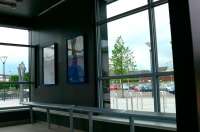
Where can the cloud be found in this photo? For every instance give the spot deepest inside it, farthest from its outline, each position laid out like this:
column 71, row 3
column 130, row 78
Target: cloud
column 134, row 30
column 15, row 54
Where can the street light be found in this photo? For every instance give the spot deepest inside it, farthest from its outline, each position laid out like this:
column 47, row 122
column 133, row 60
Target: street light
column 149, row 45
column 3, row 60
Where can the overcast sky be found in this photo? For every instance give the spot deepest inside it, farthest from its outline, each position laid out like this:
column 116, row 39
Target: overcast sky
column 15, row 54
column 134, row 30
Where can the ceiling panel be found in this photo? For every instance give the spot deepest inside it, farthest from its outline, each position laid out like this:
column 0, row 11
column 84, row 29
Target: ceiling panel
column 27, row 8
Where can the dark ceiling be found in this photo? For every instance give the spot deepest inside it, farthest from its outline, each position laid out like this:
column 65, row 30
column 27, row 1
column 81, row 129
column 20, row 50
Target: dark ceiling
column 28, row 8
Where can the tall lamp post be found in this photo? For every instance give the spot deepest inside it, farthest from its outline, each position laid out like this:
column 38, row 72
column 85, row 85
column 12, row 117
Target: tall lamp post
column 149, row 45
column 151, row 63
column 3, row 60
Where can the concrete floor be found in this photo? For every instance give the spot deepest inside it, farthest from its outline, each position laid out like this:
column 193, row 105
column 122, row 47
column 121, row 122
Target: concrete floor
column 37, row 127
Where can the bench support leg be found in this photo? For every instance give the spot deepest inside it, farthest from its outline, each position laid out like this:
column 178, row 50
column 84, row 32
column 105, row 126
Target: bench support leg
column 48, row 119
column 90, row 122
column 71, row 121
column 132, row 125
column 31, row 114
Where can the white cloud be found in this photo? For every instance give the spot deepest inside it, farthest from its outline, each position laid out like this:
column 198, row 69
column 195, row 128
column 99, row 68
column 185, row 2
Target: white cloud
column 15, row 54
column 121, row 6
column 134, row 30
column 10, row 35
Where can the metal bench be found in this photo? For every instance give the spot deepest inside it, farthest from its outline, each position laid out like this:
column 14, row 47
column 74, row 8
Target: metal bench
column 92, row 111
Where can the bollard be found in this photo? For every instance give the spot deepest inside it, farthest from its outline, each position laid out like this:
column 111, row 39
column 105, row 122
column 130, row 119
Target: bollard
column 132, row 103
column 126, row 103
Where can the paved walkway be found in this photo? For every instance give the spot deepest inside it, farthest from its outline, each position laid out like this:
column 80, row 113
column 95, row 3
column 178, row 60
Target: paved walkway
column 9, row 103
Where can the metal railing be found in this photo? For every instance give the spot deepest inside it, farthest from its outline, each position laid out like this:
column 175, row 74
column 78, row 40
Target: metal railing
column 12, row 93
column 91, row 111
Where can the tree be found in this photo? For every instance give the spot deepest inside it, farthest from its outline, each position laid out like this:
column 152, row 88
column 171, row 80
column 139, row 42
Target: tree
column 15, row 78
column 122, row 61
column 122, row 58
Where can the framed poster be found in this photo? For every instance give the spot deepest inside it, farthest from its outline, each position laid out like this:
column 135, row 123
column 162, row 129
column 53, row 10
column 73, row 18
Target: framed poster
column 76, row 60
column 49, row 65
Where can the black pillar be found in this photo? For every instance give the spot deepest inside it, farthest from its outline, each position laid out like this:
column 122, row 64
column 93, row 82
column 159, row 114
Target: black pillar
column 185, row 60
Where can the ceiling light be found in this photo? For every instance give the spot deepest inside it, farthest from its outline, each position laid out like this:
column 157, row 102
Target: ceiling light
column 9, row 3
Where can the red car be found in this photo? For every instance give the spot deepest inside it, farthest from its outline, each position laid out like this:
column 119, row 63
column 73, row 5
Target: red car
column 135, row 88
column 114, row 87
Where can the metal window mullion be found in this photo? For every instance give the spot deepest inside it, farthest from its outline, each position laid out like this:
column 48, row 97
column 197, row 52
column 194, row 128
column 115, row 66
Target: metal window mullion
column 100, row 89
column 159, row 2
column 153, row 39
column 17, row 45
column 100, row 94
column 130, row 12
column 122, row 15
column 137, row 75
column 126, row 76
column 165, row 73
column 98, row 61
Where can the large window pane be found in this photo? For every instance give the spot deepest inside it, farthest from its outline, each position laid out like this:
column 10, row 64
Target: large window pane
column 15, row 36
column 125, row 46
column 11, row 57
column 121, row 6
column 129, row 94
column 14, row 56
column 167, row 94
column 10, row 94
column 165, row 60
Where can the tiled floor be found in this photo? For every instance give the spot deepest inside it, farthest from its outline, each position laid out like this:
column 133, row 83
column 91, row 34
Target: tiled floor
column 37, row 127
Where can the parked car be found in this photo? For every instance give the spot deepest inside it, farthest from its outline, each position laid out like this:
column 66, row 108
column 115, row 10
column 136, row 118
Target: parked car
column 135, row 88
column 119, row 86
column 125, row 86
column 146, row 88
column 171, row 89
column 114, row 87
column 163, row 88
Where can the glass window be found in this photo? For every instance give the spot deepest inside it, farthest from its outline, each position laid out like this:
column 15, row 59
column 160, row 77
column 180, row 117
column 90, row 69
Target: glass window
column 12, row 35
column 126, row 51
column 164, row 46
column 121, row 6
column 11, row 92
column 129, row 93
column 167, row 94
column 125, row 45
column 14, row 56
